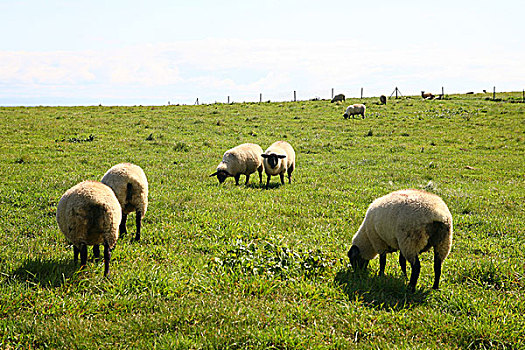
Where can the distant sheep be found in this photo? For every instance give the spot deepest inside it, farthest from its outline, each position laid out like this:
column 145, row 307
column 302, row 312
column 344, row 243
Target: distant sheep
column 278, row 159
column 355, row 109
column 427, row 95
column 89, row 214
column 382, row 99
column 338, row 98
column 244, row 159
column 411, row 221
column 130, row 185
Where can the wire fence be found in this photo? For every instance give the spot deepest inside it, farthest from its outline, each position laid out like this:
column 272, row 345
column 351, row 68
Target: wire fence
column 293, row 96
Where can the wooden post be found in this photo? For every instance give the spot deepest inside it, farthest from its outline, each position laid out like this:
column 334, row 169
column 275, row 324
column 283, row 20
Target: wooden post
column 396, row 91
column 494, row 93
column 332, row 93
column 228, row 99
column 361, row 92
column 295, row 96
column 260, row 98
column 442, row 92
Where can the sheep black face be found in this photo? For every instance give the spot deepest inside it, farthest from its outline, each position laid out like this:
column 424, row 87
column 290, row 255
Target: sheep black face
column 273, row 159
column 357, row 262
column 221, row 175
column 345, row 116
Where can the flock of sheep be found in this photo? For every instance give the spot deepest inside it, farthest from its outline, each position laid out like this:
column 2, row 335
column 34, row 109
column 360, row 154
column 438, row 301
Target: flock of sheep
column 93, row 213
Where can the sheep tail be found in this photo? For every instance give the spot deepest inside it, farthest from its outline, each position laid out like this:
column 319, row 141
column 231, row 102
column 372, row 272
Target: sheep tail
column 129, row 192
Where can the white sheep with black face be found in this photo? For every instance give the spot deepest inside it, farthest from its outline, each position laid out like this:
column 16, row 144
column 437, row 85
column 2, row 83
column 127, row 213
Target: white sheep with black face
column 355, row 109
column 411, row 221
column 278, row 159
column 89, row 214
column 244, row 159
column 130, row 185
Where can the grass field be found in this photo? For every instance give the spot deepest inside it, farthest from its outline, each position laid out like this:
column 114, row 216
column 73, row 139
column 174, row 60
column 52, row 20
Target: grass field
column 244, row 267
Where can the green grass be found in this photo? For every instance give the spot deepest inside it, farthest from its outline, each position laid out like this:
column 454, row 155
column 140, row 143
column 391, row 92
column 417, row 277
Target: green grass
column 244, row 267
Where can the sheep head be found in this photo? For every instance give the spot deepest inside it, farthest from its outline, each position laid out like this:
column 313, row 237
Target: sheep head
column 273, row 159
column 221, row 175
column 357, row 262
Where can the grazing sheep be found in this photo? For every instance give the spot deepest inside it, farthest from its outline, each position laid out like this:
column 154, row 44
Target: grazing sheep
column 427, row 95
column 382, row 99
column 275, row 162
column 338, row 98
column 89, row 214
column 411, row 221
column 130, row 185
column 355, row 109
column 244, row 159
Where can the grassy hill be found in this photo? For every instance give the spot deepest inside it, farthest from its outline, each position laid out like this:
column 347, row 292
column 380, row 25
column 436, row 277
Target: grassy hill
column 244, row 267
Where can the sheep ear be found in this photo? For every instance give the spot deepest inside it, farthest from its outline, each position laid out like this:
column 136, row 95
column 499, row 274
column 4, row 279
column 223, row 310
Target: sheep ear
column 214, row 174
column 264, row 155
column 281, row 156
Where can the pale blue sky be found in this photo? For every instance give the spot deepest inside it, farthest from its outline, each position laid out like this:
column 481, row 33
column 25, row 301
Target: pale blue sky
column 151, row 52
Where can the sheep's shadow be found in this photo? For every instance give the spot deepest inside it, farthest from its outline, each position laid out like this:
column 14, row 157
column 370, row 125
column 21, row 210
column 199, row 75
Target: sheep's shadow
column 380, row 292
column 45, row 273
column 262, row 186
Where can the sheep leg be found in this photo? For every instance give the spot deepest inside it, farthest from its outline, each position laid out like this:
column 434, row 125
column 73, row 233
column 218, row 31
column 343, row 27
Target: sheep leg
column 247, row 179
column 382, row 264
column 138, row 222
column 76, row 251
column 122, row 227
column 416, row 268
column 107, row 258
column 260, row 175
column 281, row 175
column 237, row 177
column 437, row 270
column 83, row 254
column 96, row 252
column 290, row 176
column 268, row 180
column 403, row 263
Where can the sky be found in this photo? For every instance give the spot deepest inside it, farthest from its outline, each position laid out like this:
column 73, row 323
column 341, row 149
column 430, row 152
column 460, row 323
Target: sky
column 155, row 52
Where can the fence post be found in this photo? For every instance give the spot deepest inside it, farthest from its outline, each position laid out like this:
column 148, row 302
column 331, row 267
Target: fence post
column 228, row 99
column 260, row 98
column 295, row 96
column 361, row 92
column 332, row 93
column 442, row 92
column 494, row 93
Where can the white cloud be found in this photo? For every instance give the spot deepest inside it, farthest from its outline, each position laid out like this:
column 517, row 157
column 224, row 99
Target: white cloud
column 212, row 69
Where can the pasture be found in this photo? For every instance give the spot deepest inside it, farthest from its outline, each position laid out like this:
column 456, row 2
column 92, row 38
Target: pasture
column 248, row 267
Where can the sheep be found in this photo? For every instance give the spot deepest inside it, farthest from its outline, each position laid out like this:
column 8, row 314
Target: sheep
column 338, row 98
column 427, row 95
column 382, row 99
column 274, row 162
column 130, row 185
column 89, row 214
column 244, row 159
column 355, row 109
column 411, row 221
